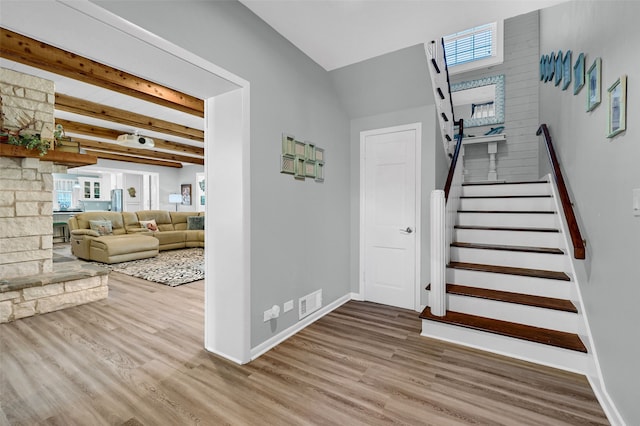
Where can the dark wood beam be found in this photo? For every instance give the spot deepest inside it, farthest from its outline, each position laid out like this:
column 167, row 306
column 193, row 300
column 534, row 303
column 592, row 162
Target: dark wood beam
column 103, row 132
column 112, row 147
column 138, row 121
column 28, row 51
column 129, row 159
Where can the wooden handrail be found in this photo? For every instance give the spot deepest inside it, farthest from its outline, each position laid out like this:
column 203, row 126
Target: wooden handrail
column 454, row 160
column 567, row 206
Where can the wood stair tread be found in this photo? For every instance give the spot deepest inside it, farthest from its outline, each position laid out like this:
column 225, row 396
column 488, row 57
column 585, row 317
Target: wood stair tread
column 500, row 228
column 545, row 250
column 510, row 297
column 524, row 182
column 537, row 273
column 509, row 211
column 545, row 336
column 475, row 197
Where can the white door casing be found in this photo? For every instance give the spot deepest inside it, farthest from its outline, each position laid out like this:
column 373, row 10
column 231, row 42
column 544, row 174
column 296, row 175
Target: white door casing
column 389, row 215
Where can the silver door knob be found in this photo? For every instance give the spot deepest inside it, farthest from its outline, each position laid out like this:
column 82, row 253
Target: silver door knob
column 408, row 230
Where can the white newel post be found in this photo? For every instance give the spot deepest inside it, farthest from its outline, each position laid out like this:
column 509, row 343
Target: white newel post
column 437, row 300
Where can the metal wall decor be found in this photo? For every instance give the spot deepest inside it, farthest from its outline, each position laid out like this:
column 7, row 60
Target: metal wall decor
column 301, row 159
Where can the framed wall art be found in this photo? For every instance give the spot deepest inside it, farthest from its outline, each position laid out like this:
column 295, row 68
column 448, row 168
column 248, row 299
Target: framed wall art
column 551, row 67
column 301, row 159
column 617, row 118
column 558, row 68
column 566, row 70
column 185, row 191
column 593, row 84
column 578, row 74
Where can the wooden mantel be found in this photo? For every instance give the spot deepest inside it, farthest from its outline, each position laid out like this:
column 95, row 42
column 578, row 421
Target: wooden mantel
column 69, row 159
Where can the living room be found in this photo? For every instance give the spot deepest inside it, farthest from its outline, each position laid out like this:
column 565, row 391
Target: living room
column 291, row 93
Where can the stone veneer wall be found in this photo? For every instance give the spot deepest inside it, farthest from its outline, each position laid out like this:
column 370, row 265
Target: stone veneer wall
column 20, row 300
column 26, row 216
column 24, row 98
column 26, row 184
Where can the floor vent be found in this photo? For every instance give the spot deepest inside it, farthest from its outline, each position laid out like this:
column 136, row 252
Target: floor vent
column 310, row 303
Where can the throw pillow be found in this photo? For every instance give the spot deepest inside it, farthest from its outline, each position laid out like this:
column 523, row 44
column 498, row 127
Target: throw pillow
column 151, row 225
column 103, row 227
column 195, row 222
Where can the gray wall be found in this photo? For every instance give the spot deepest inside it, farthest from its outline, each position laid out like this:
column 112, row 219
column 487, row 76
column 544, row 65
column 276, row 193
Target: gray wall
column 391, row 82
column 601, row 173
column 299, row 230
column 426, row 116
column 517, row 158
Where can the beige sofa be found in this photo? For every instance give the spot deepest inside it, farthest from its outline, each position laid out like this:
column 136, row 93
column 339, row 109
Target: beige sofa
column 128, row 240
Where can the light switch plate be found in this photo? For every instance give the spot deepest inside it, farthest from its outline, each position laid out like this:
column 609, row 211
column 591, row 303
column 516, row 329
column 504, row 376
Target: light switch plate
column 288, row 306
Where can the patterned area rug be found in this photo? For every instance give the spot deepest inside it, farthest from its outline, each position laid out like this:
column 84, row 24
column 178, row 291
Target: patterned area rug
column 172, row 267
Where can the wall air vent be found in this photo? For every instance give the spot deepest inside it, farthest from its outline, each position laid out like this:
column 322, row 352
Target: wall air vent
column 309, row 303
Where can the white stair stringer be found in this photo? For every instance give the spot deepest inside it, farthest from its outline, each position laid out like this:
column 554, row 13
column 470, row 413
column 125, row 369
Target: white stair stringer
column 440, row 80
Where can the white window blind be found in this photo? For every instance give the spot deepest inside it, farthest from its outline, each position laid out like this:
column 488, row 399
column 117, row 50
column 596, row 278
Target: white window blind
column 470, row 45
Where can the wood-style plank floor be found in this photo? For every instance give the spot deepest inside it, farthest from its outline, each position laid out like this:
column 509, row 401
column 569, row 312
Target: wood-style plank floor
column 137, row 358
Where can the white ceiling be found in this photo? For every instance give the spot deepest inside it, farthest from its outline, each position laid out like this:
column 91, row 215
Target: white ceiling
column 337, row 33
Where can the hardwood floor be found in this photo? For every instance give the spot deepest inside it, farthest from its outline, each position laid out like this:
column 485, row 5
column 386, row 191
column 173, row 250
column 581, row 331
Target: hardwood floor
column 137, row 358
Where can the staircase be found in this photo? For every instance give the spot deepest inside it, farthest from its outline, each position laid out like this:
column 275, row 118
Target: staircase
column 510, row 281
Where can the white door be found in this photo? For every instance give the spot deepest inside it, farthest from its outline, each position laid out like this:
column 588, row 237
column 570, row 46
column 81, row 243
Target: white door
column 389, row 212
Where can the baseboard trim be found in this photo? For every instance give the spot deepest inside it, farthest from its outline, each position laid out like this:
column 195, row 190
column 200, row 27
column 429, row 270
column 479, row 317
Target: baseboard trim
column 225, row 356
column 295, row 328
column 605, row 400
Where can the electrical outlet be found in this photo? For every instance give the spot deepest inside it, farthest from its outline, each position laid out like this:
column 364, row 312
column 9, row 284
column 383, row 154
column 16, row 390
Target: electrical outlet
column 288, row 306
column 267, row 315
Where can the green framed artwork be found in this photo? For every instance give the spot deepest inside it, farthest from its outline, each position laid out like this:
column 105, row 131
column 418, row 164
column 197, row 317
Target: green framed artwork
column 617, row 117
column 301, row 159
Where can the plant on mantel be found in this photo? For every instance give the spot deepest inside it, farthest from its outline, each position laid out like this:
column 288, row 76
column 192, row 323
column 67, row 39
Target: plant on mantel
column 28, row 140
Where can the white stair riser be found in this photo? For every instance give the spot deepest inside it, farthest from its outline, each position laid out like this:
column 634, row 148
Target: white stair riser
column 512, row 312
column 510, row 238
column 509, row 204
column 577, row 362
column 513, row 283
column 517, row 220
column 506, row 189
column 548, row 262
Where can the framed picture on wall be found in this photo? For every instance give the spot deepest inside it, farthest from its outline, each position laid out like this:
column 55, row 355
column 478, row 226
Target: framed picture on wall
column 617, row 122
column 593, row 84
column 578, row 74
column 559, row 69
column 566, row 70
column 185, row 191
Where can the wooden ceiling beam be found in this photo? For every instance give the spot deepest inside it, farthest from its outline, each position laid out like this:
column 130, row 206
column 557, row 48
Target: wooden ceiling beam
column 112, row 147
column 129, row 159
column 138, row 121
column 28, row 51
column 103, row 132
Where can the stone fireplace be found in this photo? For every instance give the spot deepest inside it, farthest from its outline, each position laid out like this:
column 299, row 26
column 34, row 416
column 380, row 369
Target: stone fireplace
column 29, row 281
